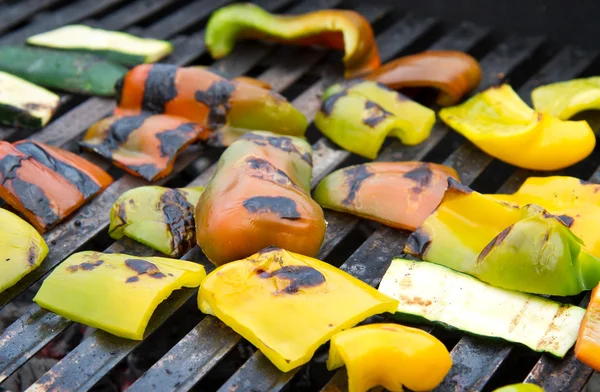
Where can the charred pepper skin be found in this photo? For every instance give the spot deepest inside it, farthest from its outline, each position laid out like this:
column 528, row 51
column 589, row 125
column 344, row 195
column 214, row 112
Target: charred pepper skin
column 336, row 29
column 397, row 194
column 587, row 348
column 258, row 197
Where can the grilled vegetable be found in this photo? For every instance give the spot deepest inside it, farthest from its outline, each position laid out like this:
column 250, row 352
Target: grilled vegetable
column 587, row 349
column 22, row 249
column 287, row 304
column 525, row 249
column 566, row 99
column 436, row 294
column 115, row 46
column 74, row 72
column 390, row 355
column 206, row 98
column 245, row 79
column 397, row 194
column 45, row 183
column 144, row 145
column 454, row 73
column 575, row 202
column 336, row 29
column 23, row 104
column 158, row 217
column 502, row 125
column 260, row 196
column 114, row 292
column 361, row 114
column 520, row 388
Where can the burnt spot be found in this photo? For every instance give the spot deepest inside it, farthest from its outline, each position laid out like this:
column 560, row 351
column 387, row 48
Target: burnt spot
column 269, row 249
column 147, row 170
column 374, row 114
column 31, row 256
column 455, row 185
column 85, row 266
column 280, row 205
column 566, row 219
column 422, row 175
column 132, row 279
column 494, row 243
column 406, row 300
column 34, row 199
column 119, row 89
column 298, row 275
column 179, row 217
column 355, row 175
column 329, row 104
column 418, row 243
column 35, row 106
column 282, row 143
column 172, row 140
column 117, row 135
column 266, row 171
column 159, row 87
column 216, row 98
column 143, row 267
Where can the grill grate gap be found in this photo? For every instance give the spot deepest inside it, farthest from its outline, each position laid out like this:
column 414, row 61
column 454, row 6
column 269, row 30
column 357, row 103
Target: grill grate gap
column 513, row 369
column 160, row 14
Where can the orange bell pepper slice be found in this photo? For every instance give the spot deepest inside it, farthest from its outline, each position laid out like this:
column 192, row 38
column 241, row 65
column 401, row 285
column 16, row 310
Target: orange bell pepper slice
column 587, row 348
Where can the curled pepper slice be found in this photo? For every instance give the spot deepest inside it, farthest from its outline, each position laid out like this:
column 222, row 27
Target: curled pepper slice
column 454, row 73
column 397, row 194
column 587, row 348
column 360, row 114
column 566, row 99
column 22, row 249
column 260, row 196
column 160, row 218
column 336, row 29
column 525, row 249
column 115, row 292
column 144, row 145
column 287, row 304
column 46, row 183
column 525, row 387
column 203, row 97
column 502, row 125
column 389, row 355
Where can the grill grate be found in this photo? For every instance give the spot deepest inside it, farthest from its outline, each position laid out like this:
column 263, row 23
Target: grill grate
column 479, row 365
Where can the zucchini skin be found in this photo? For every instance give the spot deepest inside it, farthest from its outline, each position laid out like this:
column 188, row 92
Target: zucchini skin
column 73, row 72
column 17, row 117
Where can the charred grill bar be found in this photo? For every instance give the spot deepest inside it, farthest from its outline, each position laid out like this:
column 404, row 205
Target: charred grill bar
column 300, row 74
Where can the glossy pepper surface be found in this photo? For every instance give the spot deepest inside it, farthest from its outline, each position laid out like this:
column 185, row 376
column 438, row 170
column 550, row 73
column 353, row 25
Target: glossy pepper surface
column 525, row 249
column 359, row 115
column 336, row 29
column 397, row 194
column 575, row 202
column 258, row 197
column 287, row 304
column 502, row 125
column 114, row 292
column 566, row 99
column 587, row 348
column 144, row 145
column 46, row 183
column 216, row 103
column 22, row 249
column 454, row 73
column 389, row 355
column 160, row 218
column 525, row 387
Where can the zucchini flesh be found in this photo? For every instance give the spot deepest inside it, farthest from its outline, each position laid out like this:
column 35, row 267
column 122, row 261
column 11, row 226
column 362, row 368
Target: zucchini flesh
column 116, row 46
column 24, row 104
column 75, row 72
column 440, row 295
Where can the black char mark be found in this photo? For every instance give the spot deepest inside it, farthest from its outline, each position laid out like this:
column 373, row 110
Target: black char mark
column 86, row 266
column 269, row 249
column 282, row 143
column 179, row 216
column 418, row 243
column 216, row 98
column 119, row 90
column 159, row 88
column 117, row 135
column 172, row 140
column 79, row 179
column 143, row 267
column 329, row 104
column 566, row 219
column 355, row 176
column 298, row 276
column 147, row 170
column 280, row 205
column 422, row 176
column 453, row 184
column 374, row 114
column 265, row 170
column 494, row 243
column 31, row 256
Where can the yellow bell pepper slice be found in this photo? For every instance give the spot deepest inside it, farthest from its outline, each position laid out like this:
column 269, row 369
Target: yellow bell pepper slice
column 501, row 124
column 22, row 249
column 115, row 292
column 525, row 387
column 566, row 99
column 287, row 304
column 389, row 355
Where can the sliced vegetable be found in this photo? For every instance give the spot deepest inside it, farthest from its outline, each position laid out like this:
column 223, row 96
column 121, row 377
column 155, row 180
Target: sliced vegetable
column 566, row 99
column 397, row 194
column 144, row 145
column 336, row 29
column 287, row 304
column 502, row 125
column 389, row 355
column 587, row 349
column 436, row 294
column 525, row 249
column 74, row 72
column 160, row 218
column 260, row 196
column 116, row 46
column 525, row 387
column 203, row 97
column 46, row 183
column 359, row 115
column 23, row 104
column 22, row 249
column 115, row 292
column 454, row 73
